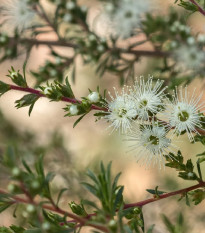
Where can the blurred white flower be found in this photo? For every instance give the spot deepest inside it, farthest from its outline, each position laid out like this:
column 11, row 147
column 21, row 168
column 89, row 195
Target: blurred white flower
column 18, row 13
column 190, row 57
column 149, row 143
column 121, row 111
column 127, row 16
column 148, row 97
column 184, row 113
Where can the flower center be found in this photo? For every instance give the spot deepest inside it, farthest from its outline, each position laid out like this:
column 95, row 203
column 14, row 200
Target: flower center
column 143, row 103
column 122, row 112
column 183, row 116
column 154, row 140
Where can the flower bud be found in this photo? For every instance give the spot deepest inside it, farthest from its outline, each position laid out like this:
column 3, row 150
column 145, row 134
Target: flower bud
column 47, row 91
column 77, row 209
column 74, row 110
column 94, row 97
column 11, row 188
column 35, row 184
column 30, row 208
column 70, row 5
column 190, row 174
column 68, row 18
column 46, row 226
column 15, row 171
column 112, row 225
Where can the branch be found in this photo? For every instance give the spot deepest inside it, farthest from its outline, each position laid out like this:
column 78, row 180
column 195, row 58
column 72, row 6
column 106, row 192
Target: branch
column 82, row 221
column 200, row 9
column 160, row 197
column 63, row 43
column 40, row 94
column 75, row 101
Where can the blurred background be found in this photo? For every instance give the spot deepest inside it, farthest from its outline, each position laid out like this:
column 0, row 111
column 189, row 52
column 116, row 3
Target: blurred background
column 69, row 152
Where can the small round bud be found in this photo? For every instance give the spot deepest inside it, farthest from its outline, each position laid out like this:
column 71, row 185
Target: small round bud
column 190, row 40
column 173, row 44
column 137, row 210
column 11, row 188
column 53, row 72
column 74, row 110
column 70, row 5
column 25, row 214
column 68, row 18
column 30, row 208
column 35, row 184
column 83, row 8
column 201, row 38
column 58, row 60
column 46, row 226
column 109, row 7
column 92, row 37
column 94, row 97
column 47, row 90
column 14, row 74
column 190, row 174
column 100, row 48
column 15, row 171
column 112, row 225
column 3, row 39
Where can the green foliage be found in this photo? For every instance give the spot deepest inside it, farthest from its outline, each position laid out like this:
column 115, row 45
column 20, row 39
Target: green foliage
column 186, row 170
column 107, row 191
column 178, row 227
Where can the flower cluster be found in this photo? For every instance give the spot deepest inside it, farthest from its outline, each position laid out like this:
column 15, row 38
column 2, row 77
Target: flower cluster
column 138, row 112
column 127, row 15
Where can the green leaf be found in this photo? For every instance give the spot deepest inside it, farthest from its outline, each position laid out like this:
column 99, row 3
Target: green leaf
column 78, row 120
column 4, row 88
column 60, row 195
column 150, row 230
column 27, row 100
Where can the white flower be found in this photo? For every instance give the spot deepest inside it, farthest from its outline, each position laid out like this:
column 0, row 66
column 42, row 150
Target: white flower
column 127, row 15
column 184, row 113
column 94, row 97
column 18, row 13
column 121, row 111
column 149, row 143
column 73, row 110
column 190, row 57
column 148, row 97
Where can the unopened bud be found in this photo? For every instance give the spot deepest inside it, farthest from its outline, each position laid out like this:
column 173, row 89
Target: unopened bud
column 15, row 171
column 74, row 110
column 30, row 208
column 47, row 90
column 94, row 97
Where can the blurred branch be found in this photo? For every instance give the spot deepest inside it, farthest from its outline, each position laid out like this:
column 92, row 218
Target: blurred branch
column 56, row 209
column 200, row 9
column 63, row 43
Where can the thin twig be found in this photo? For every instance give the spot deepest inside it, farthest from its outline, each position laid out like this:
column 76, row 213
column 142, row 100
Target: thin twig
column 56, row 209
column 64, row 99
column 75, row 101
column 200, row 9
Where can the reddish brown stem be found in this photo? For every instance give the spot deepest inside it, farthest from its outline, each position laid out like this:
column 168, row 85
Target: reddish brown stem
column 160, row 197
column 200, row 9
column 82, row 221
column 40, row 94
